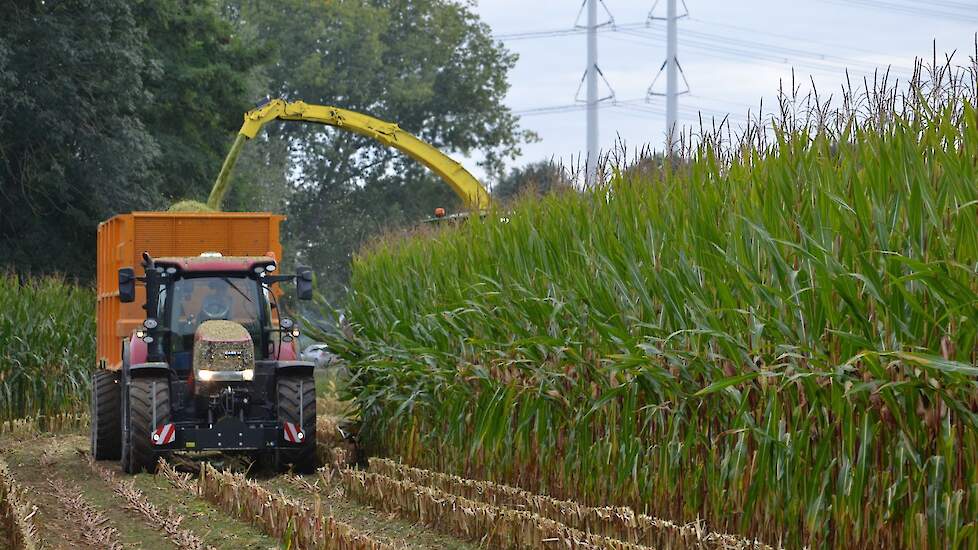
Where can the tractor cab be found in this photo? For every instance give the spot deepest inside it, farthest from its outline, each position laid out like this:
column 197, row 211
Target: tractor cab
column 213, row 305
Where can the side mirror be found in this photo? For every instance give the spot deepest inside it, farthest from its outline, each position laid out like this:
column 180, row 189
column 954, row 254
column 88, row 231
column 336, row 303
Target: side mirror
column 303, row 282
column 127, row 285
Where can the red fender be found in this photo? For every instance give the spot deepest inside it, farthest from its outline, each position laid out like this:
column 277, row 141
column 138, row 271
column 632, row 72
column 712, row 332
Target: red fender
column 138, row 351
column 290, row 351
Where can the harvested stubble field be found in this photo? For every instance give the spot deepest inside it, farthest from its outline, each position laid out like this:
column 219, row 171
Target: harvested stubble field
column 54, row 496
column 62, row 499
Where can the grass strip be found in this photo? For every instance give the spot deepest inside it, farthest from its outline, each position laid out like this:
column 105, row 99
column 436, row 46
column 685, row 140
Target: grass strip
column 615, row 522
column 17, row 513
column 297, row 525
column 470, row 520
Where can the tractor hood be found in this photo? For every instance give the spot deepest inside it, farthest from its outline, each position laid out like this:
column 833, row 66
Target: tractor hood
column 223, row 352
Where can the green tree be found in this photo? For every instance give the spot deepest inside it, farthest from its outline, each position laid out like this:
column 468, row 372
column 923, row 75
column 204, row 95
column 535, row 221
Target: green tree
column 201, row 85
column 429, row 65
column 538, row 177
column 108, row 106
column 72, row 147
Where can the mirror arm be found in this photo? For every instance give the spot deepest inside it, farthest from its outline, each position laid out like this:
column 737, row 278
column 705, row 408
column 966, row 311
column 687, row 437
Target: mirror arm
column 271, row 279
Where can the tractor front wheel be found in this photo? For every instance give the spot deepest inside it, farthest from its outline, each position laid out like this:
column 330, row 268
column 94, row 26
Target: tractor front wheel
column 148, row 397
column 106, row 415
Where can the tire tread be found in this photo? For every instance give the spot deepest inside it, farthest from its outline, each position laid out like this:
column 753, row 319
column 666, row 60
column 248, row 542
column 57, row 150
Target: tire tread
column 303, row 458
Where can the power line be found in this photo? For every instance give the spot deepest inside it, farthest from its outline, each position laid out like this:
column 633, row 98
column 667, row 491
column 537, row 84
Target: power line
column 956, row 11
column 710, row 43
column 529, row 35
column 740, row 54
column 640, row 104
column 753, row 31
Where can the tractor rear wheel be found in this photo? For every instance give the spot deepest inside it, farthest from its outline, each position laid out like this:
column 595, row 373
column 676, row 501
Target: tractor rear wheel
column 145, row 394
column 106, row 415
column 297, row 404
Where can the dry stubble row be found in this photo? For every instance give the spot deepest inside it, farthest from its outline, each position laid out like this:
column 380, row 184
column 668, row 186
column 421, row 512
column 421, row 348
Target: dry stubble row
column 33, row 425
column 17, row 513
column 137, row 502
column 276, row 514
column 93, row 526
column 615, row 522
column 487, row 524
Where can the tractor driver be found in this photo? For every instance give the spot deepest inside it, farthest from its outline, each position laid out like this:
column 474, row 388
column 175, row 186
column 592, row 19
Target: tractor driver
column 217, row 305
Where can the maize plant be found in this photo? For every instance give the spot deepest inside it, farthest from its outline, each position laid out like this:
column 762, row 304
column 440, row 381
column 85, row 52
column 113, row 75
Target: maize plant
column 47, row 346
column 774, row 332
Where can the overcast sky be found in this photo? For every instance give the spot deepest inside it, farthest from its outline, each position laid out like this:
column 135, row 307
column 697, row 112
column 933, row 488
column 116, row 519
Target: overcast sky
column 733, row 53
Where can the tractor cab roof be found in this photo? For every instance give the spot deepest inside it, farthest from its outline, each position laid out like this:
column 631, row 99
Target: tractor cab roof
column 214, row 262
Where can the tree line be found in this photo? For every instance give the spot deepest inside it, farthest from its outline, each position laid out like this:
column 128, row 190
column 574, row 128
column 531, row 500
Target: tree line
column 109, row 106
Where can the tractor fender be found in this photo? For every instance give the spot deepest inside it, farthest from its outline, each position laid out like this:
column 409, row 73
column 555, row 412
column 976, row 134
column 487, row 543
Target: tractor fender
column 294, row 368
column 149, row 369
column 137, row 351
column 287, row 352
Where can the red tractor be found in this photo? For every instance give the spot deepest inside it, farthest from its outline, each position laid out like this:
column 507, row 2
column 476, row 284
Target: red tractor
column 208, row 364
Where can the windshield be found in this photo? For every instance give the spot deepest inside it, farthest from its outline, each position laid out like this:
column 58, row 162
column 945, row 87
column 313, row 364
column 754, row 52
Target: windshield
column 199, row 299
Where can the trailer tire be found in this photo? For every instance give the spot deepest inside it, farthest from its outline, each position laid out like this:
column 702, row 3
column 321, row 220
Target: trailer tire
column 139, row 452
column 297, row 404
column 106, row 415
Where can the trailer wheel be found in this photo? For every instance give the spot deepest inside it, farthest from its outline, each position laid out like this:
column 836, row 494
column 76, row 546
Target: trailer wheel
column 139, row 452
column 297, row 404
column 106, row 415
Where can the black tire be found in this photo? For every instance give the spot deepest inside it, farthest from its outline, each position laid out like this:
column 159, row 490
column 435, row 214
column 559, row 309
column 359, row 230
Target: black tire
column 106, row 415
column 297, row 404
column 139, row 452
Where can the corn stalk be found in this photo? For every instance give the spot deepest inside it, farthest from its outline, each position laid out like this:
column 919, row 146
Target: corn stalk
column 47, row 346
column 34, row 425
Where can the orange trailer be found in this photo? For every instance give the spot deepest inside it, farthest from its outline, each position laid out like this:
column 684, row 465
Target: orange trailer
column 123, row 239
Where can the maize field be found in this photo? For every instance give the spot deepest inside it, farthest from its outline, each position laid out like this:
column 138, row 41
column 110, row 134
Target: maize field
column 47, row 346
column 773, row 332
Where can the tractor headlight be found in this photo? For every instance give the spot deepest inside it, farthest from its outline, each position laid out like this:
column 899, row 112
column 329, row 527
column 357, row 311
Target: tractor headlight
column 246, row 375
column 151, row 323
